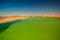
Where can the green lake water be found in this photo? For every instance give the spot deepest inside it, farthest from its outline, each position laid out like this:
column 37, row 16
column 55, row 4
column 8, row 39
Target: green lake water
column 32, row 29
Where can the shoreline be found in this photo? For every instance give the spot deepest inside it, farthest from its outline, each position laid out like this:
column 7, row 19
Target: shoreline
column 11, row 19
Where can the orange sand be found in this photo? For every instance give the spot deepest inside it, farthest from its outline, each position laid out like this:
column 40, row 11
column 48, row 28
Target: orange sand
column 11, row 19
column 8, row 19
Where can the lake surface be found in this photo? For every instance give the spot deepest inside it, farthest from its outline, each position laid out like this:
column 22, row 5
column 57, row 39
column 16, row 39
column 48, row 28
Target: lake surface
column 31, row 29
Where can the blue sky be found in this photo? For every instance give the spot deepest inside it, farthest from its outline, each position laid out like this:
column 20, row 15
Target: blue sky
column 27, row 7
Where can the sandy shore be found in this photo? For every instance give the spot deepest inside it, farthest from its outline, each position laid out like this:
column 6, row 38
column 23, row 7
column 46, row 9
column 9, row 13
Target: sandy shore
column 8, row 19
column 12, row 19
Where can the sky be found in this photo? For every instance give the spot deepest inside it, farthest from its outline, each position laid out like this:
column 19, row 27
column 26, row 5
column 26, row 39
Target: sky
column 29, row 7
